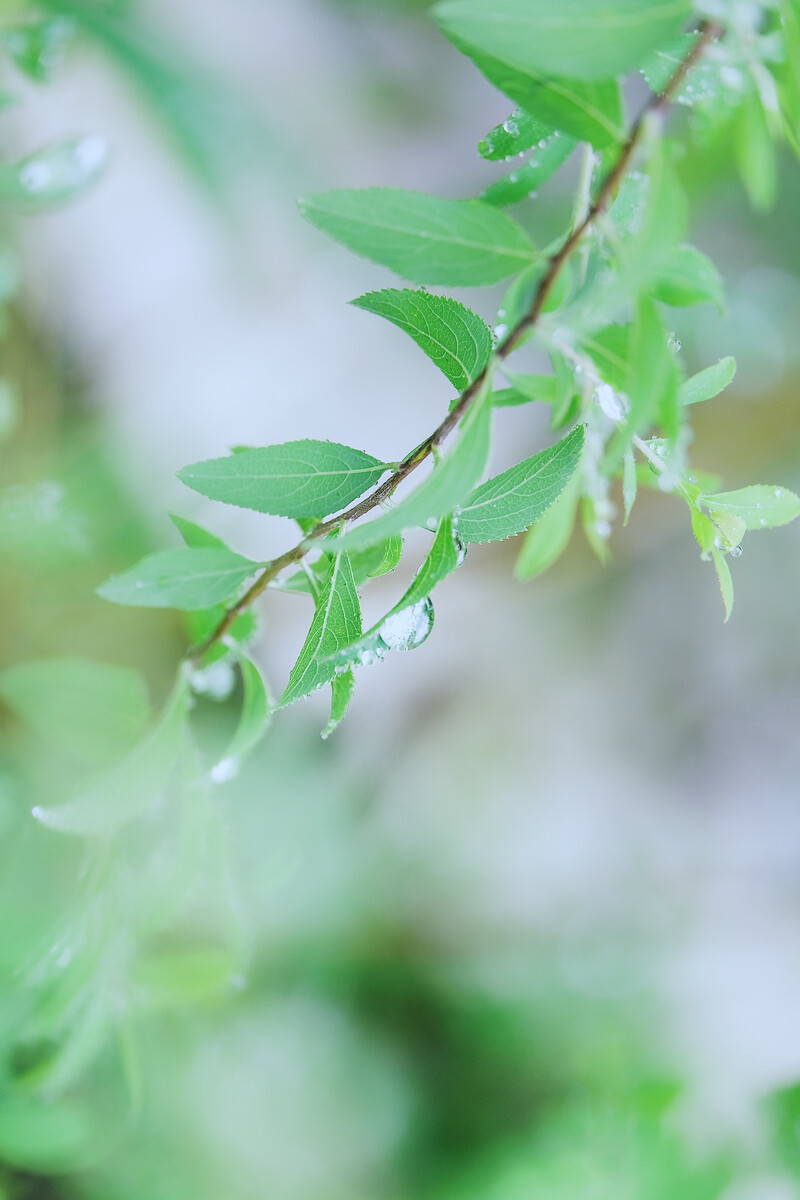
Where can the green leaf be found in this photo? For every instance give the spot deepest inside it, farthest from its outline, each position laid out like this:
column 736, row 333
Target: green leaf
column 451, row 479
column 755, row 152
column 457, row 243
column 518, row 133
column 526, row 179
column 138, row 781
column 53, row 175
column 342, row 688
column 366, row 564
column 183, row 975
column 38, row 48
column 457, row 340
column 45, row 1138
column 521, row 293
column 195, row 536
column 586, row 111
column 377, row 560
column 336, row 623
column 707, row 383
column 688, row 277
column 515, row 499
column 629, row 481
column 408, row 623
column 185, row 578
column 653, row 381
column 548, row 538
column 253, row 720
column 93, row 711
column 581, row 39
column 526, row 389
column 445, row 555
column 759, row 506
column 725, row 581
column 295, row 479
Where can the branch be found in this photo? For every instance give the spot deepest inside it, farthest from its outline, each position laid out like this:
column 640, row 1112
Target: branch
column 383, row 491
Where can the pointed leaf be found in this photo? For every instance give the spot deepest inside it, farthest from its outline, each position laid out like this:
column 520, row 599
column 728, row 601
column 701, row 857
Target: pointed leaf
column 253, row 720
column 195, row 536
column 517, row 134
column 587, row 111
column 629, row 481
column 457, row 243
column 336, row 623
column 449, row 482
column 93, row 711
column 513, row 500
column 185, row 578
column 135, row 784
column 526, row 179
column 457, row 340
column 548, row 538
column 39, row 47
column 406, row 625
column 707, row 383
column 582, row 39
column 687, row 276
column 342, row 688
column 725, row 581
column 759, row 506
column 53, row 175
column 295, row 479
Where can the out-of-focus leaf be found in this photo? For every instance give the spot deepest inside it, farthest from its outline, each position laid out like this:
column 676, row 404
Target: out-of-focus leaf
column 52, row 175
column 579, row 39
column 39, row 48
column 92, row 711
column 195, row 535
column 135, row 784
column 707, row 383
column 45, row 1139
column 587, row 111
column 186, row 578
column 760, row 506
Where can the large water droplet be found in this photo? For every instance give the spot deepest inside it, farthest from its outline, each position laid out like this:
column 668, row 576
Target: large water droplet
column 408, row 629
column 225, row 770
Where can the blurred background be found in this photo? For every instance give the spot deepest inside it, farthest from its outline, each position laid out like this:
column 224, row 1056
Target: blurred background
column 528, row 925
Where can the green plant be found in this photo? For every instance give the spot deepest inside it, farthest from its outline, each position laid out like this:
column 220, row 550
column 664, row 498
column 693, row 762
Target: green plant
column 594, row 300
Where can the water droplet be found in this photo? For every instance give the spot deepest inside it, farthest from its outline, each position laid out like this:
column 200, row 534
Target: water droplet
column 735, row 551
column 224, row 770
column 609, row 402
column 513, row 177
column 500, row 331
column 511, row 126
column 674, row 343
column 216, row 681
column 763, row 520
column 35, row 176
column 408, row 629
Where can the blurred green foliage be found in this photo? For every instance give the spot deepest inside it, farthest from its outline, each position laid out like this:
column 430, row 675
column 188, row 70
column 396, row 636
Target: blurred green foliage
column 242, row 998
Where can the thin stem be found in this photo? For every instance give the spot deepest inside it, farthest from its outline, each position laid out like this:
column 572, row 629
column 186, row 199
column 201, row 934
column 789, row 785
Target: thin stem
column 553, row 267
